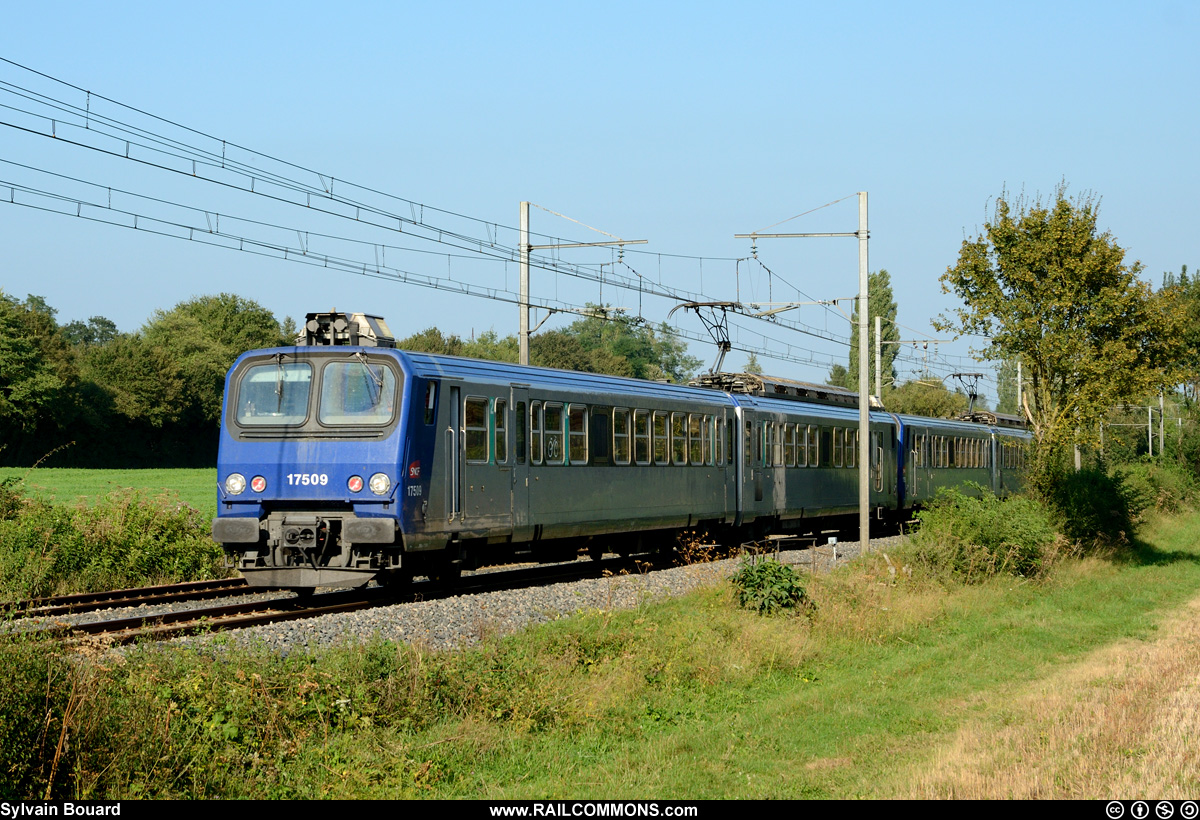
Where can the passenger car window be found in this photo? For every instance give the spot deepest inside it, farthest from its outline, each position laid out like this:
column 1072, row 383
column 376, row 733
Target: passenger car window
column 476, row 426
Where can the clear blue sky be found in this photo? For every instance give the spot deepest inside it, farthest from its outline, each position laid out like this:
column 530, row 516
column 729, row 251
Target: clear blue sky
column 678, row 123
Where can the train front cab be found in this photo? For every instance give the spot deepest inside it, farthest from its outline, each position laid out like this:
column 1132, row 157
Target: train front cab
column 313, row 464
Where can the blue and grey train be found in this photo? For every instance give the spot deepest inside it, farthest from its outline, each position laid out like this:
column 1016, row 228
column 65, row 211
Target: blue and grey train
column 343, row 460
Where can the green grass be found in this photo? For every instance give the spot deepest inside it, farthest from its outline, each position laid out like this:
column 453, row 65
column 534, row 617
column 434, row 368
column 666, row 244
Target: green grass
column 689, row 698
column 196, row 488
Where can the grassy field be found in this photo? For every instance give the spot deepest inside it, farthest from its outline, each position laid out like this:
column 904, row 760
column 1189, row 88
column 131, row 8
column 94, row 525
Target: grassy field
column 1082, row 685
column 196, row 488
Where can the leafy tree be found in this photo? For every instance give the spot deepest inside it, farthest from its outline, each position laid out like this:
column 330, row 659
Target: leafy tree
column 96, row 331
column 618, row 345
column 143, row 382
column 752, row 365
column 29, row 386
column 650, row 354
column 231, row 321
column 838, row 376
column 491, row 345
column 1045, row 285
column 1187, row 290
column 562, row 349
column 926, row 398
column 203, row 336
column 880, row 302
column 1006, row 388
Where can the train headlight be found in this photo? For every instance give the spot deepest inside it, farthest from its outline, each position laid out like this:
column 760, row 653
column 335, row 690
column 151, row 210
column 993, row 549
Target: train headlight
column 235, row 484
column 355, row 484
column 258, row 484
column 380, row 484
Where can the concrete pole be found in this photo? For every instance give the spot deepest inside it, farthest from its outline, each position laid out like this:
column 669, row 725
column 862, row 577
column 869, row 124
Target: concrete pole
column 523, row 308
column 864, row 418
column 1161, row 425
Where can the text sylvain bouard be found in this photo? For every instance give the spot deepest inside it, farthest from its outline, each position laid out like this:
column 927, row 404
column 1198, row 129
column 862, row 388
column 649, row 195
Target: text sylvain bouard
column 64, row 809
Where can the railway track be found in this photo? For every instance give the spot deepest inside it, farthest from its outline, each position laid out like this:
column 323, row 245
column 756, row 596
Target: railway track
column 141, row 596
column 164, row 625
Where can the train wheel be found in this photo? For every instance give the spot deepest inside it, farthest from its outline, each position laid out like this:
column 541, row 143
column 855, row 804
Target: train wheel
column 396, row 579
column 446, row 572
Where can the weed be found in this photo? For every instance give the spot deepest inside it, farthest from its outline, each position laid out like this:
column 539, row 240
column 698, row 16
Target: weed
column 694, row 547
column 769, row 587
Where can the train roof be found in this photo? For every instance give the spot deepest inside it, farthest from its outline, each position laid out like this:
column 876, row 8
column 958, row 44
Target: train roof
column 429, row 365
column 754, row 384
column 958, row 425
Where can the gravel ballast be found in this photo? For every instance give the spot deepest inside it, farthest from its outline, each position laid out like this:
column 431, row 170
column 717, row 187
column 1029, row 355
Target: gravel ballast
column 459, row 621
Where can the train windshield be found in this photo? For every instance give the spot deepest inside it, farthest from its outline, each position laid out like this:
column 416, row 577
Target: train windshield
column 357, row 393
column 274, row 393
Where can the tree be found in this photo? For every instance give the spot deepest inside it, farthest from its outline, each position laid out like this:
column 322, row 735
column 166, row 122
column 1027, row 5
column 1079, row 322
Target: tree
column 1006, row 388
column 97, row 330
column 650, row 353
column 29, row 387
column 562, row 349
column 926, row 398
column 202, row 337
column 1046, row 286
column 1187, row 291
column 880, row 302
column 752, row 365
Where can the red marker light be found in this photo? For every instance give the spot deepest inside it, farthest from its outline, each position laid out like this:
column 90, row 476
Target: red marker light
column 258, row 484
column 355, row 484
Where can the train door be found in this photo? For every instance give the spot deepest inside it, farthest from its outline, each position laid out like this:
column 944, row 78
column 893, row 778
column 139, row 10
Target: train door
column 522, row 523
column 757, row 492
column 876, row 456
column 726, row 460
column 740, row 464
column 916, row 463
column 486, row 468
column 993, row 463
column 453, row 476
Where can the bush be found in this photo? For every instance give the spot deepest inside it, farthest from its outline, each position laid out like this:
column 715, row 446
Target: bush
column 972, row 538
column 129, row 539
column 1090, row 505
column 768, row 587
column 1150, row 486
column 35, row 697
column 11, row 498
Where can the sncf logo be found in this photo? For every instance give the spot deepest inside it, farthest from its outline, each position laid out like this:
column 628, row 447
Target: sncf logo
column 414, row 470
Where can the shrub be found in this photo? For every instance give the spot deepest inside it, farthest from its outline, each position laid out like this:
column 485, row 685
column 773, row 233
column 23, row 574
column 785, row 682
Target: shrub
column 768, row 587
column 128, row 539
column 973, row 538
column 35, row 698
column 1090, row 505
column 1150, row 486
column 11, row 498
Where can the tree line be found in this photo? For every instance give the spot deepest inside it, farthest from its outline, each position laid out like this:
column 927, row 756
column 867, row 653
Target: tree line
column 82, row 394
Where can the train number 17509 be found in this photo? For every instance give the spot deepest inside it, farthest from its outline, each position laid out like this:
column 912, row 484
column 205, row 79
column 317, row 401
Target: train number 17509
column 309, row 479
